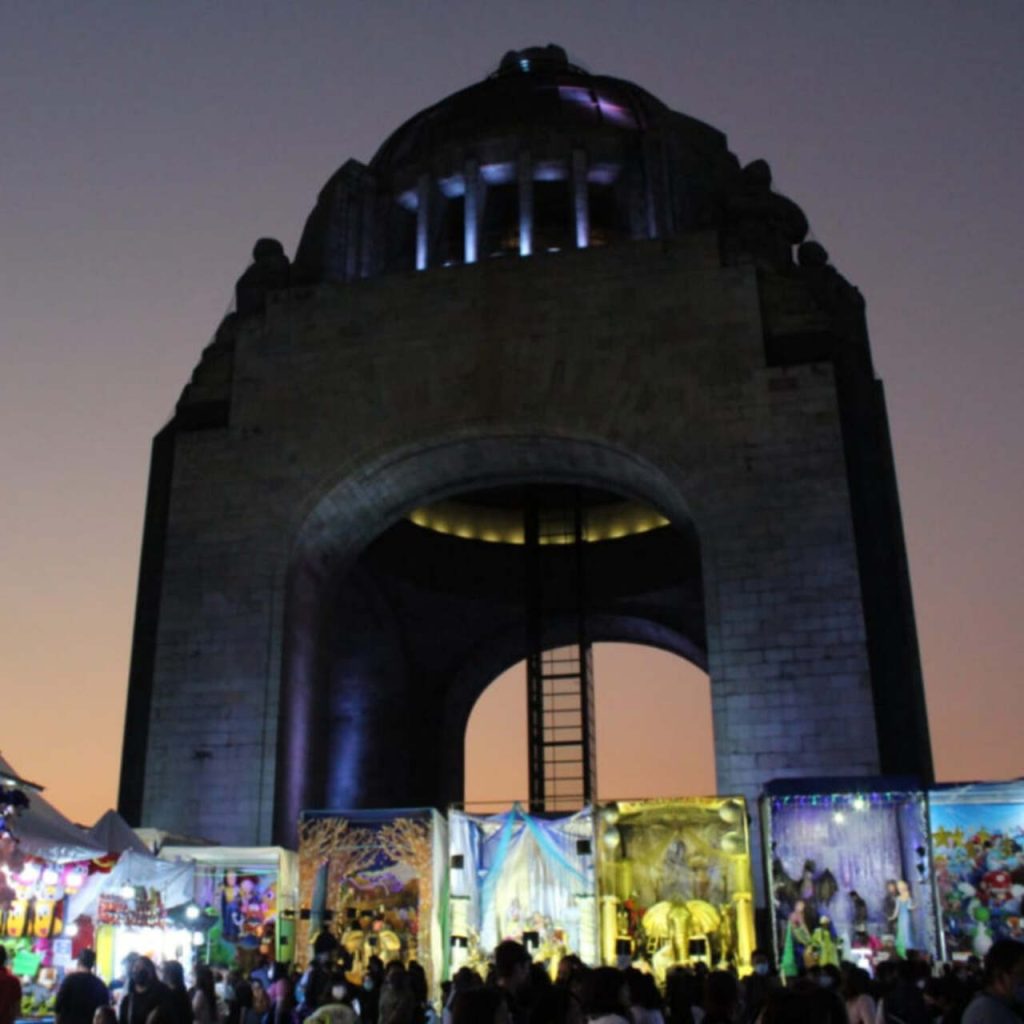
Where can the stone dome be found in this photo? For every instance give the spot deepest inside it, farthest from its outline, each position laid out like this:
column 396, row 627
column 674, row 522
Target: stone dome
column 532, row 89
column 540, row 157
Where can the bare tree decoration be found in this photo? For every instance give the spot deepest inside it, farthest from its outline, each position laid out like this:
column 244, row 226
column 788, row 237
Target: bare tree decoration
column 344, row 849
column 406, row 841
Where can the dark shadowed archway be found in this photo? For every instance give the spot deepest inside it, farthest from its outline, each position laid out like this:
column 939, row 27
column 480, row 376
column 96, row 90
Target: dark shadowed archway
column 389, row 645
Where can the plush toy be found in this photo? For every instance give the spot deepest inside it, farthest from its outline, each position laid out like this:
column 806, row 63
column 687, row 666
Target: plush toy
column 17, row 917
column 996, row 888
column 43, row 924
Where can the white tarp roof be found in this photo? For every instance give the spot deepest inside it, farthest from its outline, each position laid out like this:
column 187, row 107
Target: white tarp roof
column 155, row 839
column 115, row 835
column 175, row 880
column 42, row 831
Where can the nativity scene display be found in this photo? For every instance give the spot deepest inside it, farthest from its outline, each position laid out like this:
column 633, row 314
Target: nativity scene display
column 523, row 876
column 370, row 885
column 849, row 877
column 675, row 883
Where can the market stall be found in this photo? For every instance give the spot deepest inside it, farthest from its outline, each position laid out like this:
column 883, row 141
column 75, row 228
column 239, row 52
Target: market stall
column 848, row 872
column 977, row 844
column 374, row 879
column 44, row 860
column 136, row 907
column 242, row 901
column 675, row 883
column 522, row 876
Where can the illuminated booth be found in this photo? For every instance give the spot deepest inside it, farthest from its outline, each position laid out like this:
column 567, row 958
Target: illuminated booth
column 243, row 901
column 44, row 860
column 675, row 883
column 977, row 842
column 847, row 867
column 522, row 876
column 137, row 907
column 375, row 880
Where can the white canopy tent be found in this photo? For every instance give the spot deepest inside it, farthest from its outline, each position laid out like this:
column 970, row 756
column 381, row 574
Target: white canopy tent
column 42, row 831
column 174, row 881
column 115, row 835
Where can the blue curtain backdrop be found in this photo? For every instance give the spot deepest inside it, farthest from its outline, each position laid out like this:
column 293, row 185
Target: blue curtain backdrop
column 521, row 872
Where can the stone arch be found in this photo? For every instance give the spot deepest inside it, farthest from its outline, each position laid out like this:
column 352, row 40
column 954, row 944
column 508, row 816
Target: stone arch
column 678, row 676
column 477, row 675
column 351, row 511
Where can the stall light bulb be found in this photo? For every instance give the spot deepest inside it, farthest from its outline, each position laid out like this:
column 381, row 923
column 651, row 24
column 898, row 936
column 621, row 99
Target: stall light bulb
column 191, row 912
column 30, row 873
column 198, row 938
column 127, row 892
column 50, row 877
column 859, row 803
column 839, row 817
column 71, row 931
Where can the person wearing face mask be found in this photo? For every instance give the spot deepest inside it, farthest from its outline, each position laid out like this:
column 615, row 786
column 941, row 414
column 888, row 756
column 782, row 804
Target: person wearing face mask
column 145, row 994
column 755, row 987
column 338, row 1009
column 1001, row 1001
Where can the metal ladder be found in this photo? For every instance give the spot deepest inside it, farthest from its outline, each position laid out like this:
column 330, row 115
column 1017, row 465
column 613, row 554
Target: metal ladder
column 559, row 680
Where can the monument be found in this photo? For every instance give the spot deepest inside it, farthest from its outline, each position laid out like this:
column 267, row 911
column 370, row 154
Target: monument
column 552, row 369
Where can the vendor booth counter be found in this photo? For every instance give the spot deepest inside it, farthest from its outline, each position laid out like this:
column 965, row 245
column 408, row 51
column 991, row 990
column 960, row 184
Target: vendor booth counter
column 675, row 883
column 848, row 873
column 977, row 840
column 522, row 876
column 374, row 880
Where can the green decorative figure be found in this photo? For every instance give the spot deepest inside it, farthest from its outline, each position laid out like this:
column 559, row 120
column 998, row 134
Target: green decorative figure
column 823, row 943
column 798, row 939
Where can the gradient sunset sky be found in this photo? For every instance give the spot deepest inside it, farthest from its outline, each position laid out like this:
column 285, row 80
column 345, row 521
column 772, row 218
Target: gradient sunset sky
column 146, row 146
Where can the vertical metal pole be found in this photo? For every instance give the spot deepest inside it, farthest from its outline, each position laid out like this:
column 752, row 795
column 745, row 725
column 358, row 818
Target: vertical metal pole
column 535, row 650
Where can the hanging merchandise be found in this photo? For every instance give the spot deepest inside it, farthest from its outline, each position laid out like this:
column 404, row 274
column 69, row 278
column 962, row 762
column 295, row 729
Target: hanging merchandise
column 132, row 909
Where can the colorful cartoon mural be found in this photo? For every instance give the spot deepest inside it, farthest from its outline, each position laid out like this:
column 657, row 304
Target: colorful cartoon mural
column 977, row 836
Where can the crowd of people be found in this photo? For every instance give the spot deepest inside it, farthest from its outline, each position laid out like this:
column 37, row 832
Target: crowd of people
column 518, row 991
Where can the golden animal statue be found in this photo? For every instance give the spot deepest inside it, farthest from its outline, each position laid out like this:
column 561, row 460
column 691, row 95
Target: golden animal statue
column 670, row 927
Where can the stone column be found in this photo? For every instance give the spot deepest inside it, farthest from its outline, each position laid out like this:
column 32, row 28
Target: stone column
column 471, row 209
column 525, row 177
column 422, row 221
column 580, row 199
